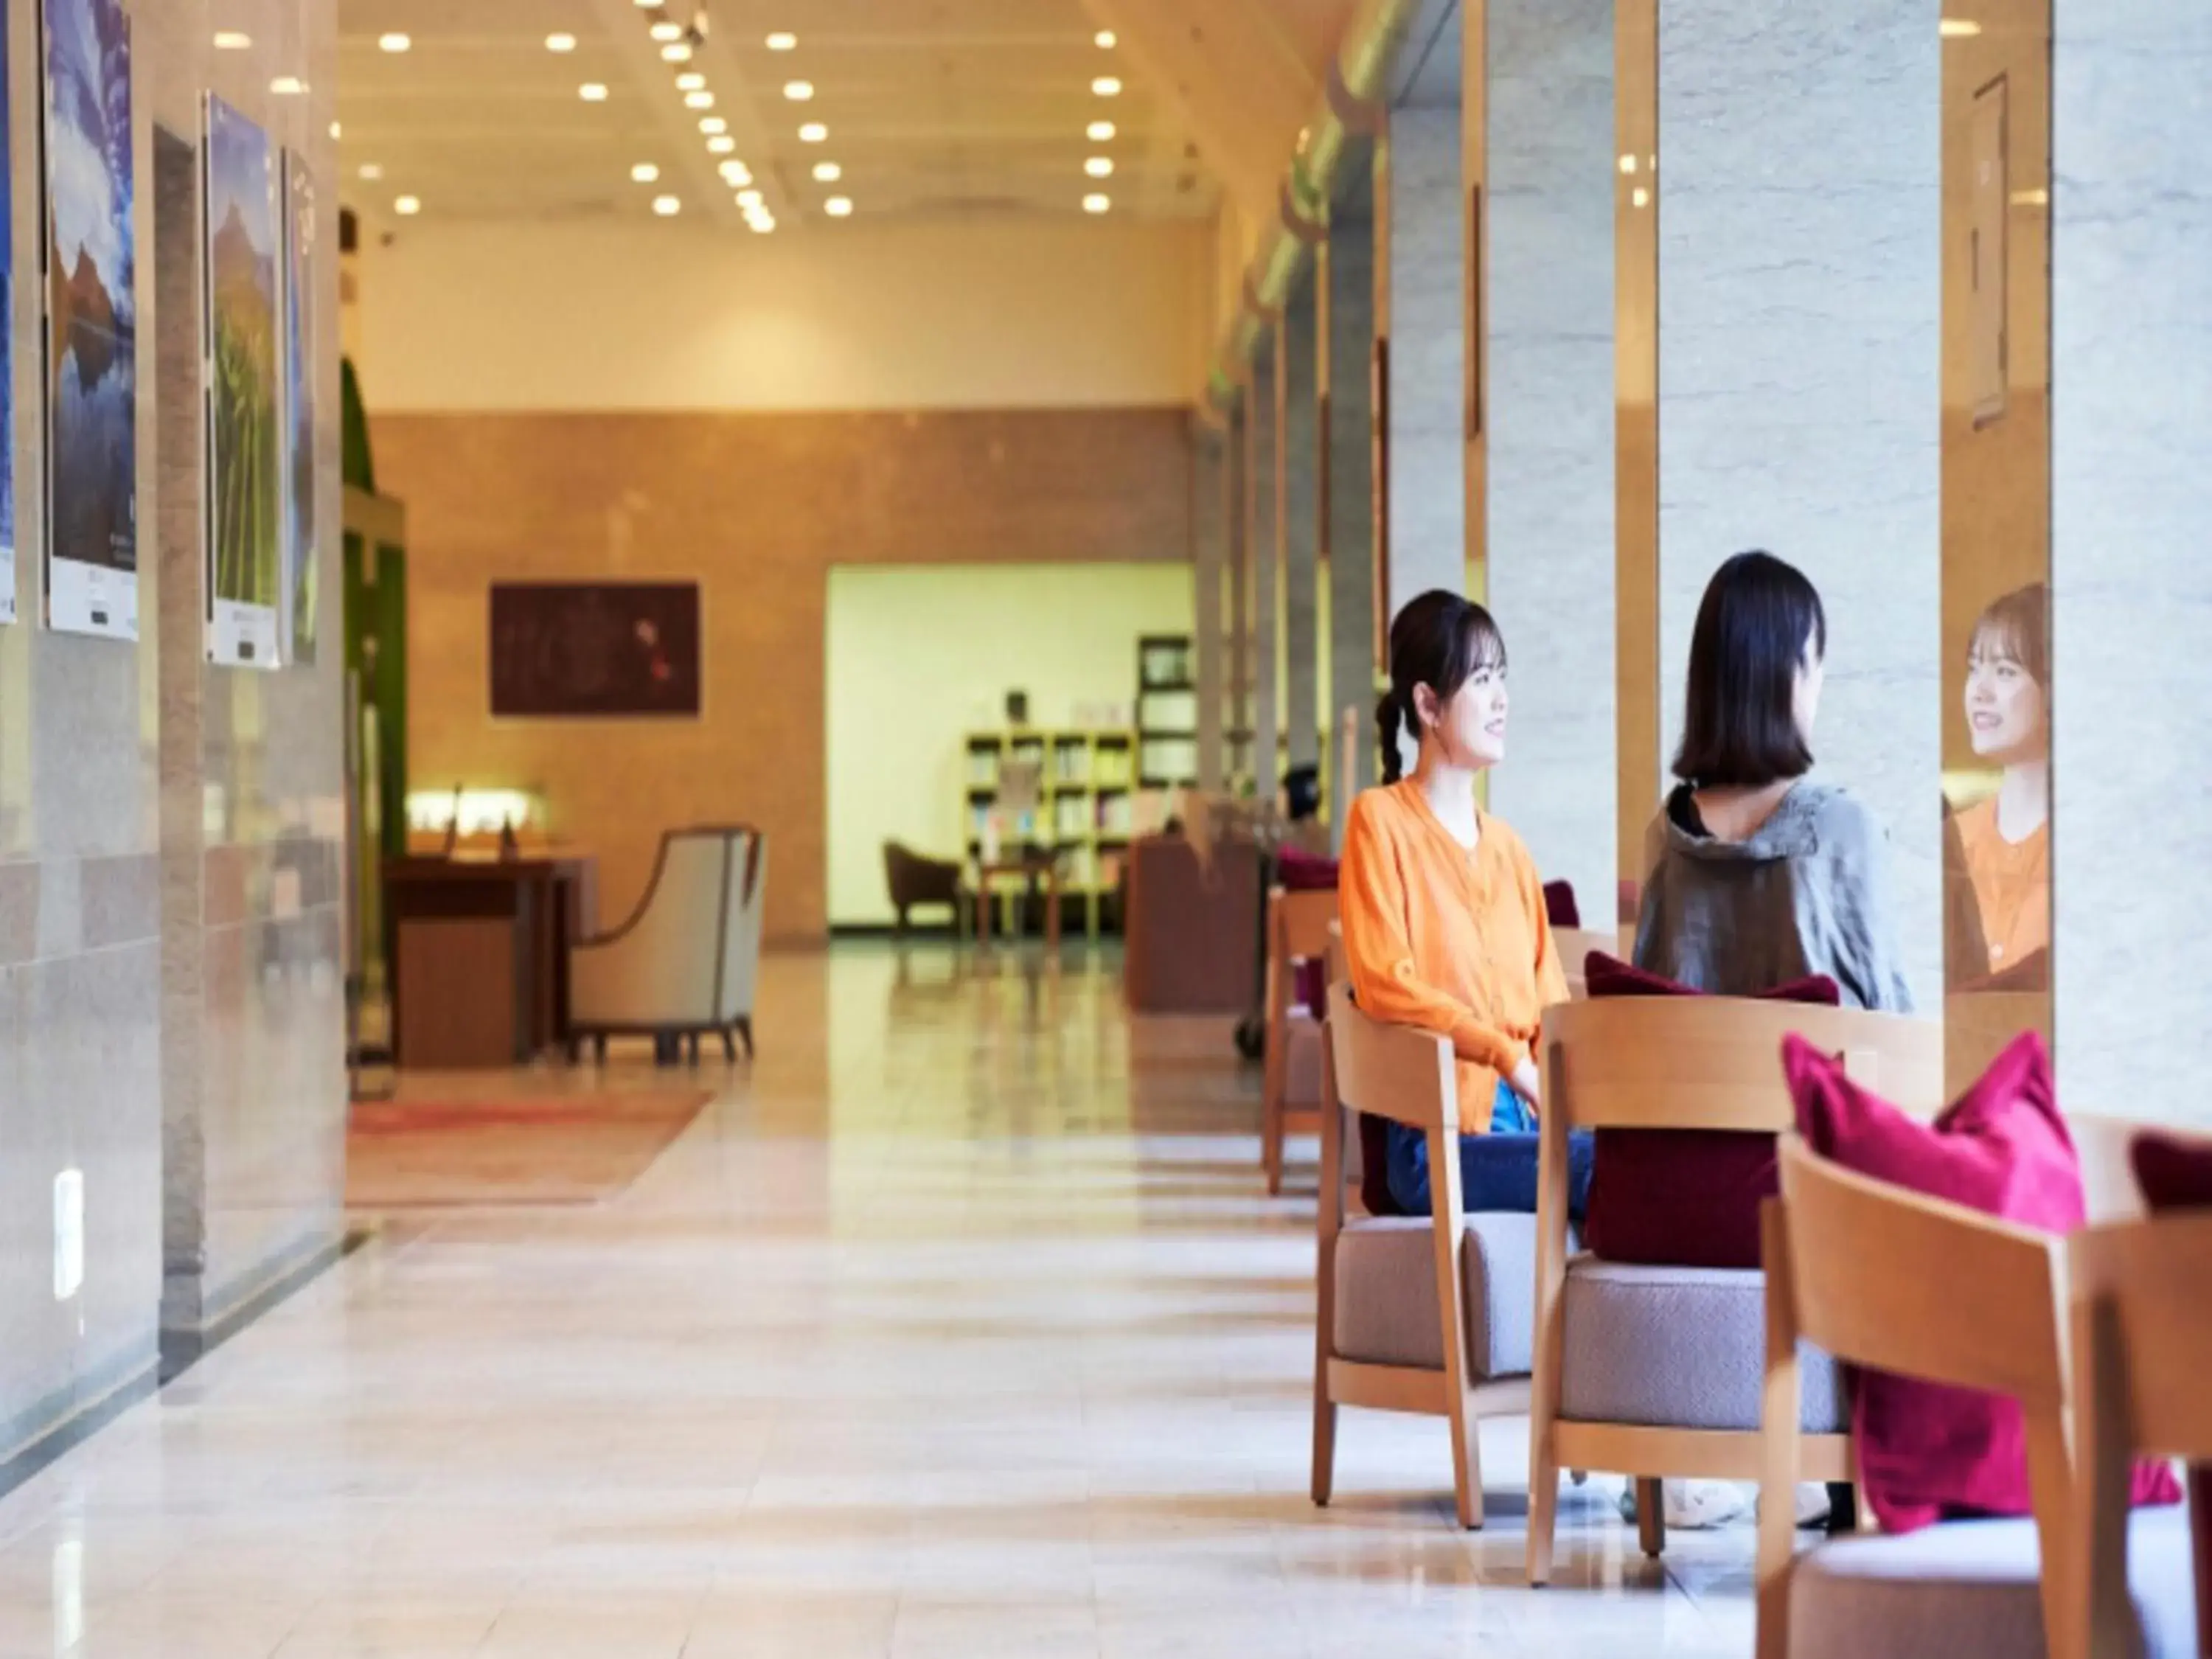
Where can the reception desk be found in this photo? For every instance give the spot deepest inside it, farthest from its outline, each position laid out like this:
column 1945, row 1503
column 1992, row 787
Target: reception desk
column 479, row 951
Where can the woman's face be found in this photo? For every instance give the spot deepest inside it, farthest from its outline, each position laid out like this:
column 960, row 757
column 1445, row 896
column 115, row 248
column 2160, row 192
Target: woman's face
column 1805, row 691
column 1470, row 729
column 2004, row 705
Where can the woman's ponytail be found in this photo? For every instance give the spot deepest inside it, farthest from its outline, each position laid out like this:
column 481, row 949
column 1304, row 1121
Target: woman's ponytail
column 1389, row 719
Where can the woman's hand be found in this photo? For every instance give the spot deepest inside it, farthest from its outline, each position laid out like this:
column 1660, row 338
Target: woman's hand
column 1528, row 1083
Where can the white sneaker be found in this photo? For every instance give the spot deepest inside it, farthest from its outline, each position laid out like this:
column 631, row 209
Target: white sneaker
column 1694, row 1505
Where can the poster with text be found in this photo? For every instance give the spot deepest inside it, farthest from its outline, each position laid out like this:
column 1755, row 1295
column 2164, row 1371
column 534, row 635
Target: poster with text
column 7, row 353
column 302, row 561
column 245, row 493
column 92, row 323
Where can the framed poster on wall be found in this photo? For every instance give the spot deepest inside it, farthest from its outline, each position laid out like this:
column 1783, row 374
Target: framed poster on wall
column 595, row 650
column 91, row 322
column 7, row 350
column 245, row 491
column 302, row 548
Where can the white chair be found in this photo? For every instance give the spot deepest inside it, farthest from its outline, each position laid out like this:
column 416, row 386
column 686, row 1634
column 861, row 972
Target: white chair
column 685, row 962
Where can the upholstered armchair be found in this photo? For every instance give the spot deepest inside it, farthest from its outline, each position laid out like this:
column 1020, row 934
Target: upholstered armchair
column 685, row 962
column 915, row 880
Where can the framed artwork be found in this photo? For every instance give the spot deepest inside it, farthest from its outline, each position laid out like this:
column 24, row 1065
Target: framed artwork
column 244, row 446
column 91, row 322
column 595, row 650
column 303, row 547
column 7, row 350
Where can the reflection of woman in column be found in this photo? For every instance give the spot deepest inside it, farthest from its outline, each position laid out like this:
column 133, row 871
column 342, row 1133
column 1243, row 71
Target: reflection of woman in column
column 2004, row 842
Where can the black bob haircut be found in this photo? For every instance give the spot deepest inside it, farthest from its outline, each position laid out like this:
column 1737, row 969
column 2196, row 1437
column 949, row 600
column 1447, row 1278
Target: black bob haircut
column 1739, row 721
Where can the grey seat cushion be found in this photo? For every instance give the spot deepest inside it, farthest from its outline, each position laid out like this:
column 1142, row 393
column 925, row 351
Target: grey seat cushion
column 1386, row 1293
column 1678, row 1348
column 1968, row 1590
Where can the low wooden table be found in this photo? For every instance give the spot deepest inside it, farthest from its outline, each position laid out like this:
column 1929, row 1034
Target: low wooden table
column 1028, row 867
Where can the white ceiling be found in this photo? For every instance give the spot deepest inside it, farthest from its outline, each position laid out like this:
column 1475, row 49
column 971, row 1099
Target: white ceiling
column 933, row 108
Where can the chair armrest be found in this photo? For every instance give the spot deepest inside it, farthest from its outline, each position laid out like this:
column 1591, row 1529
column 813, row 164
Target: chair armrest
column 1398, row 1112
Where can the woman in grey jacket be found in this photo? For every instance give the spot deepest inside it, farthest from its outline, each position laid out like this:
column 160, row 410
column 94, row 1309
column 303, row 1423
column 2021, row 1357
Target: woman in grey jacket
column 1760, row 875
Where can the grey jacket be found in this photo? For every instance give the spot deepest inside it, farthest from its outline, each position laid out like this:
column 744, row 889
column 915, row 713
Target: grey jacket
column 1808, row 893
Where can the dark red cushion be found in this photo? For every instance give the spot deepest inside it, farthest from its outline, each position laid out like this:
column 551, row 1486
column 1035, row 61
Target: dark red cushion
column 1375, row 1165
column 1681, row 1198
column 1928, row 1452
column 1559, row 907
column 2174, row 1174
column 1297, row 871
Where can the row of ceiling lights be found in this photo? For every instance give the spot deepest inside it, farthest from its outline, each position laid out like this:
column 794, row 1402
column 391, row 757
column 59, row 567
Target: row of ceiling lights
column 1102, row 166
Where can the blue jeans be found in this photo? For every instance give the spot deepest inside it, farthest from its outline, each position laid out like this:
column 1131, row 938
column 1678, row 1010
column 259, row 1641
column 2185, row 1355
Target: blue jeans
column 1497, row 1172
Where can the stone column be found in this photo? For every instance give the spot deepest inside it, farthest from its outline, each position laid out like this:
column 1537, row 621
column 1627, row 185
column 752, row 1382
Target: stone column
column 1799, row 402
column 1420, row 239
column 2131, row 592
column 1237, row 580
column 1346, row 280
column 1298, row 402
column 1262, row 467
column 1548, row 400
column 1209, row 572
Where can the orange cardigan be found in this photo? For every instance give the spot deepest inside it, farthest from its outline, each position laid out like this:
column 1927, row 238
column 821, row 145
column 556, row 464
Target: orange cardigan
column 1447, row 940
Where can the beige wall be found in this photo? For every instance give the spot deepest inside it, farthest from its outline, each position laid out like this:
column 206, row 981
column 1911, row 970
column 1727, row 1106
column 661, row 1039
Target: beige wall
column 757, row 508
column 669, row 316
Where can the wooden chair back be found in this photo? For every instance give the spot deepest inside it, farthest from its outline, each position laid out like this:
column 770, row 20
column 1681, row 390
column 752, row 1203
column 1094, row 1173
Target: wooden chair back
column 2141, row 1312
column 1297, row 931
column 1298, row 924
column 1574, row 944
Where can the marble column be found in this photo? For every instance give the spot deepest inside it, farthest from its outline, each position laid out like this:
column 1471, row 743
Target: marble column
column 1209, row 574
column 1420, row 237
column 2131, row 592
column 1347, row 340
column 1549, row 413
column 1236, row 746
column 1798, row 396
column 1262, row 469
column 1297, row 396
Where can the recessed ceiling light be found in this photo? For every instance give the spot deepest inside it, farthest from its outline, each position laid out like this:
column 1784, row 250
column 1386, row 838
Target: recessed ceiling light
column 667, row 206
column 700, row 100
column 782, row 41
column 713, row 124
column 645, row 173
column 676, row 51
column 736, row 172
column 1099, row 167
column 232, row 41
column 689, row 81
column 667, row 31
column 560, row 43
column 1958, row 28
column 1107, row 86
column 371, row 170
column 335, row 128
column 1100, row 131
column 799, row 91
column 394, row 41
column 813, row 133
column 762, row 223
column 592, row 92
column 408, row 206
column 1096, row 204
column 288, row 86
column 721, row 144
column 838, row 207
column 749, row 199
column 1105, row 39
column 828, row 171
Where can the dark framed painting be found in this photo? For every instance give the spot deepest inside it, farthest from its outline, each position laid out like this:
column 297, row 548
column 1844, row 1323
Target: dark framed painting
column 595, row 650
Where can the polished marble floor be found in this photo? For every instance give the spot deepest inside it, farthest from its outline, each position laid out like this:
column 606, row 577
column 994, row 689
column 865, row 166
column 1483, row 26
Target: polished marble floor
column 958, row 1327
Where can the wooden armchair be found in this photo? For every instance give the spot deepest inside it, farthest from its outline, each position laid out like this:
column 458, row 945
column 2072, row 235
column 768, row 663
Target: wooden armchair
column 1297, row 931
column 1655, row 1371
column 915, row 880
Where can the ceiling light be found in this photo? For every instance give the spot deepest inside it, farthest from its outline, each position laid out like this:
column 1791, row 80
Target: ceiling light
column 667, row 206
column 335, row 128
column 1107, row 86
column 1639, row 197
column 667, row 31
column 676, row 51
column 592, row 92
column 736, row 172
column 701, row 100
column 1105, row 40
column 408, row 206
column 713, row 124
column 813, row 133
column 394, row 41
column 560, row 43
column 781, row 42
column 1100, row 131
column 645, row 173
column 1099, row 167
column 799, row 91
column 828, row 171
column 232, row 41
column 689, row 81
column 1958, row 28
column 761, row 224
column 1095, row 203
column 749, row 199
column 721, row 144
column 288, row 86
column 838, row 207
column 371, row 170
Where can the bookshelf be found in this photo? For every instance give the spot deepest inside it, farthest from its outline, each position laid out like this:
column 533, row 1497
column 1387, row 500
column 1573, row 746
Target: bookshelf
column 1086, row 809
column 1166, row 713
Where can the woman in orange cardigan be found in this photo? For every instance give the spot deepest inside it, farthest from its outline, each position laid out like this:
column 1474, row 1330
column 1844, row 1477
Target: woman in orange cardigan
column 1442, row 912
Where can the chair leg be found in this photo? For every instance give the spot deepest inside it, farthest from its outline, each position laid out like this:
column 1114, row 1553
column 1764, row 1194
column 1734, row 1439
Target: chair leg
column 745, row 1031
column 1467, row 1461
column 729, row 1045
column 693, row 1042
column 1652, row 1516
column 599, row 1049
